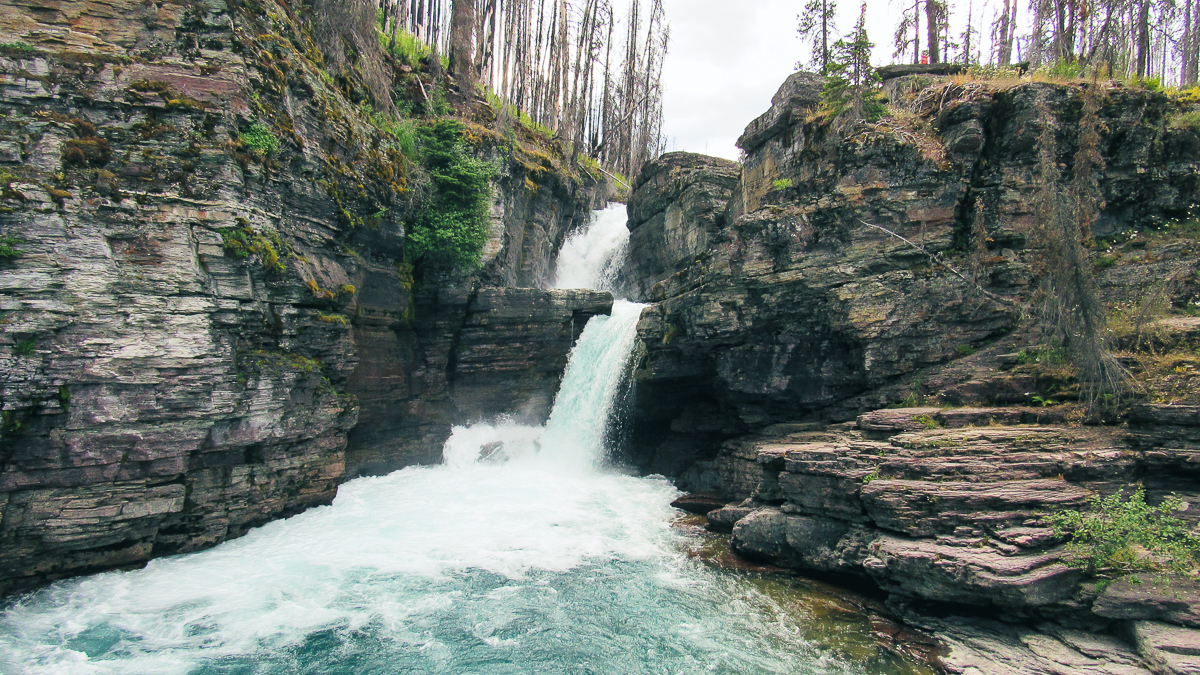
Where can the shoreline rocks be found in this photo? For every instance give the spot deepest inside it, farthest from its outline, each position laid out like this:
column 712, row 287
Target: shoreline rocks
column 950, row 522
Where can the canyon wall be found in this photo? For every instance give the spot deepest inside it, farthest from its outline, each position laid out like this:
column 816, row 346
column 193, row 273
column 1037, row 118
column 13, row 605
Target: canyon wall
column 897, row 421
column 200, row 332
column 793, row 305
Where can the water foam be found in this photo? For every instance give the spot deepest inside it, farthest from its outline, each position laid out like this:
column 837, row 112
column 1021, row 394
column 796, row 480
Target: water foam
column 593, row 256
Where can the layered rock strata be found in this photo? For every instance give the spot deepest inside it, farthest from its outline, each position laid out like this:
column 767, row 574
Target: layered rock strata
column 496, row 352
column 818, row 289
column 946, row 511
column 193, row 319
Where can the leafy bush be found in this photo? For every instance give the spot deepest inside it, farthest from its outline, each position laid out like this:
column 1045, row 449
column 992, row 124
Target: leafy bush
column 452, row 228
column 928, row 422
column 1065, row 70
column 399, row 128
column 1116, row 537
column 964, row 350
column 782, row 183
column 259, row 140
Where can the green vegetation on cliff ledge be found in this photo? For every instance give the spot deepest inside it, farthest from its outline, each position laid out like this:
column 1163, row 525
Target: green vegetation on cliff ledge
column 259, row 140
column 451, row 229
column 1118, row 537
column 8, row 248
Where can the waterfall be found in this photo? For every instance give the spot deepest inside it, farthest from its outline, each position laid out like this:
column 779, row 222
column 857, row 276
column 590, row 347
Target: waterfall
column 516, row 555
column 593, row 256
column 574, row 436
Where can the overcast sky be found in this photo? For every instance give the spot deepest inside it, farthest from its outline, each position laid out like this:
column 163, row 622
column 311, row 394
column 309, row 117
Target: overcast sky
column 727, row 59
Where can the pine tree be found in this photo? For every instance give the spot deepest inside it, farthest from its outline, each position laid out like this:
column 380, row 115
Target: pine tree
column 850, row 94
column 817, row 25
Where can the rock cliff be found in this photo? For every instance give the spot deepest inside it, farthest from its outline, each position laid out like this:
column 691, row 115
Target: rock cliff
column 773, row 350
column 800, row 307
column 206, row 321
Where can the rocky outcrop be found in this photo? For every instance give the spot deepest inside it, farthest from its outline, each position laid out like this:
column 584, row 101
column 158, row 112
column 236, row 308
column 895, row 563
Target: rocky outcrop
column 203, row 290
column 803, row 309
column 469, row 357
column 948, row 517
column 676, row 212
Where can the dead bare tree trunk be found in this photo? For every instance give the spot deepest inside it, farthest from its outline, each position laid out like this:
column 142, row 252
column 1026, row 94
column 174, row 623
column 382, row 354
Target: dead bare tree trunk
column 462, row 44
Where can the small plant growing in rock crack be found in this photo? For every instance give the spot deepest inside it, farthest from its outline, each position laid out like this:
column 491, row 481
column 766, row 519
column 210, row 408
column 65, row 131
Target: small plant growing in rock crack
column 874, row 475
column 1044, row 402
column 25, row 348
column 964, row 350
column 1117, row 536
column 259, row 140
column 928, row 422
column 8, row 248
column 670, row 333
column 17, row 49
column 782, row 183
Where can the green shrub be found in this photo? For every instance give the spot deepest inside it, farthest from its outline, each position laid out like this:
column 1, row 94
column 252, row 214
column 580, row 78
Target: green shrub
column 1066, row 70
column 8, row 248
column 782, row 183
column 242, row 242
column 928, row 422
column 1105, row 262
column 259, row 140
column 406, row 47
column 404, row 131
column 1116, row 537
column 452, row 228
column 964, row 350
column 25, row 348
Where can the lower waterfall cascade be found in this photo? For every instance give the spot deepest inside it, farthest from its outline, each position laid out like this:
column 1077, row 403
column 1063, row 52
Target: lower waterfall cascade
column 520, row 553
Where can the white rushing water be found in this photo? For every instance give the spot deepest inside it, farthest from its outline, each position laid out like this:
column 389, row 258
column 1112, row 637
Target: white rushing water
column 517, row 555
column 593, row 256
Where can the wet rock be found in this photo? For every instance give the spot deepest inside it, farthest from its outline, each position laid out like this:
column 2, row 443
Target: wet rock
column 724, row 519
column 970, row 572
column 944, row 515
column 801, row 309
column 675, row 214
column 699, row 504
column 199, row 337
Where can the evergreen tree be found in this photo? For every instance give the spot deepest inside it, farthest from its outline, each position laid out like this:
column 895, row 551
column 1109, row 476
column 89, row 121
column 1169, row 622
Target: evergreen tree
column 850, row 93
column 817, row 25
